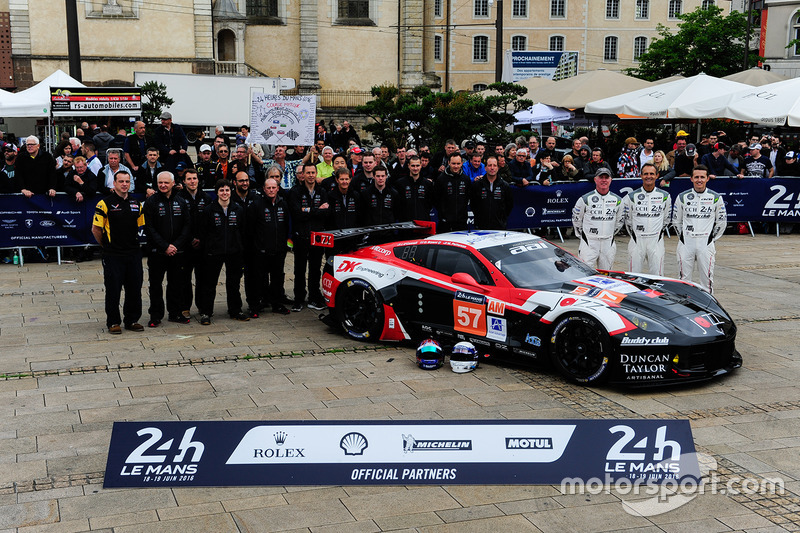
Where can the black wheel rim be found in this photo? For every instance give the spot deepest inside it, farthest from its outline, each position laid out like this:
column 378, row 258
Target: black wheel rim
column 359, row 309
column 580, row 349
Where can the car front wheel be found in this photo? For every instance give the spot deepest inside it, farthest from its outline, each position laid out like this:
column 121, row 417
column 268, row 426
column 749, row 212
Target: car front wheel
column 581, row 349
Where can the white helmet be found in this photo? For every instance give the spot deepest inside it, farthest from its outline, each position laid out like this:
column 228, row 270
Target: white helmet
column 464, row 358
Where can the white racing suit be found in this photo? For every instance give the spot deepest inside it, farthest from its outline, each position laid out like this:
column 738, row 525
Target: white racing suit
column 596, row 219
column 646, row 214
column 700, row 219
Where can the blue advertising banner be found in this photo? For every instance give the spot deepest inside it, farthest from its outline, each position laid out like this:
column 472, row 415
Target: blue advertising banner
column 44, row 221
column 550, row 65
column 389, row 452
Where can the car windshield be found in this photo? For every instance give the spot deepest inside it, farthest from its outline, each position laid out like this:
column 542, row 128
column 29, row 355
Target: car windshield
column 536, row 264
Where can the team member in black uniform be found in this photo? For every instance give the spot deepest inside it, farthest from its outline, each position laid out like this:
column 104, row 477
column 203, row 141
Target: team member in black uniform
column 269, row 223
column 491, row 201
column 197, row 199
column 168, row 225
column 115, row 227
column 309, row 205
column 416, row 193
column 221, row 235
column 380, row 201
column 451, row 192
column 247, row 197
column 345, row 203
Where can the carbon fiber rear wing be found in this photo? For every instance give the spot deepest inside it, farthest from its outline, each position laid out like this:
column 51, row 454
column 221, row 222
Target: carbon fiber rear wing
column 358, row 236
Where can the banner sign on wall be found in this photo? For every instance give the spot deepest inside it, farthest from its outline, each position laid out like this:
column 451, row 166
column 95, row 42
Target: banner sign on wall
column 114, row 101
column 278, row 119
column 232, row 453
column 551, row 65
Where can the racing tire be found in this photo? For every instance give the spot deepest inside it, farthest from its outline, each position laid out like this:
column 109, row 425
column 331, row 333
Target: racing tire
column 359, row 309
column 581, row 349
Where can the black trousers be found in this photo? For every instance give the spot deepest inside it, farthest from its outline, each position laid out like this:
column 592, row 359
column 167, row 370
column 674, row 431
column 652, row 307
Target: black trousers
column 274, row 274
column 123, row 272
column 195, row 260
column 179, row 284
column 311, row 256
column 233, row 277
column 253, row 269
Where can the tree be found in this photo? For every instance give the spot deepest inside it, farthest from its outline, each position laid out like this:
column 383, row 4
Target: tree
column 423, row 116
column 706, row 42
column 157, row 100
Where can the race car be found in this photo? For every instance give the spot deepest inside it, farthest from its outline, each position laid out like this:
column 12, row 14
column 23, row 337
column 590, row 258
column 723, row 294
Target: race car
column 521, row 297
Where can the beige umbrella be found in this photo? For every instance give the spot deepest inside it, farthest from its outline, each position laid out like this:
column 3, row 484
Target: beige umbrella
column 576, row 92
column 529, row 83
column 756, row 77
column 676, row 77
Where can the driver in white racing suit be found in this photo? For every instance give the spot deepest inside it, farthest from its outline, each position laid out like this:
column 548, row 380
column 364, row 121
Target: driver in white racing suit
column 700, row 219
column 646, row 212
column 597, row 217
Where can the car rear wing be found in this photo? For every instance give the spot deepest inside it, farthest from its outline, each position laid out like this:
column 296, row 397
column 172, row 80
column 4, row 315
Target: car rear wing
column 356, row 237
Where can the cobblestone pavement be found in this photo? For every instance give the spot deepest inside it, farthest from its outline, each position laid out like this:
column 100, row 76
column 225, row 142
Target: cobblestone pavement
column 64, row 381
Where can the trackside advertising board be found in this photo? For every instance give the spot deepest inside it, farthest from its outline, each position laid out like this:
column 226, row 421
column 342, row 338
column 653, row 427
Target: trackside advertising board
column 91, row 101
column 233, row 453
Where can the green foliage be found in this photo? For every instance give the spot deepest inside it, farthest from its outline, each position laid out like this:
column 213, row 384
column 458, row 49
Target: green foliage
column 423, row 116
column 706, row 42
column 154, row 100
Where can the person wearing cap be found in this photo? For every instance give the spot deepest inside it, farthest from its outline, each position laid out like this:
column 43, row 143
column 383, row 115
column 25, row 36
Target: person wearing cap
column 208, row 171
column 790, row 166
column 758, row 165
column 170, row 141
column 135, row 147
column 596, row 218
column 735, row 158
column 356, row 156
column 8, row 181
column 628, row 163
column 646, row 212
column 679, row 149
column 147, row 174
column 686, row 161
column 717, row 163
column 700, row 219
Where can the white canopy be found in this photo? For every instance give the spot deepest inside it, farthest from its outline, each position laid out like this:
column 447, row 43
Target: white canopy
column 770, row 104
column 538, row 113
column 577, row 91
column 13, row 105
column 40, row 93
column 755, row 76
column 663, row 100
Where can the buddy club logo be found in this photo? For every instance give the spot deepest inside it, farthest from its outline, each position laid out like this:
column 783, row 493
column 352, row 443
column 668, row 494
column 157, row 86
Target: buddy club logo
column 280, row 438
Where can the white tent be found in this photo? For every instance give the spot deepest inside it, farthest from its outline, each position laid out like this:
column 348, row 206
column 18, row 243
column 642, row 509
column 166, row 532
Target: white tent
column 663, row 100
column 40, row 93
column 770, row 104
column 17, row 105
column 756, row 77
column 538, row 113
column 577, row 91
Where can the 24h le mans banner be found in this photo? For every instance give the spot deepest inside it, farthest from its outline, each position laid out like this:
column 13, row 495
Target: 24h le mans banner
column 232, row 453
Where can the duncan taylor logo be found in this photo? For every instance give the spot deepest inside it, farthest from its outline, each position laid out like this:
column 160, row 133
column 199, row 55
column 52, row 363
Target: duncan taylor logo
column 410, row 444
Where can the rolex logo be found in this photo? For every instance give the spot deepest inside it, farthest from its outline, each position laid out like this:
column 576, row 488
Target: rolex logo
column 280, row 438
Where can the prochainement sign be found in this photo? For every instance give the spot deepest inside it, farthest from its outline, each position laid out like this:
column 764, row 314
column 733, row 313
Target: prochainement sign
column 233, row 453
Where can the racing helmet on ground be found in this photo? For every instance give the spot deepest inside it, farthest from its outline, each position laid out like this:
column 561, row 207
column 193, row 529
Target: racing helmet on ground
column 430, row 355
column 464, row 358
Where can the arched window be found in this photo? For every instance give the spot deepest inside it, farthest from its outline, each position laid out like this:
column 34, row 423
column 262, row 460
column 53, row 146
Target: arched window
column 226, row 45
column 639, row 47
column 479, row 87
column 675, row 9
column 480, row 49
column 610, row 49
column 795, row 34
column 642, row 9
column 519, row 43
column 556, row 43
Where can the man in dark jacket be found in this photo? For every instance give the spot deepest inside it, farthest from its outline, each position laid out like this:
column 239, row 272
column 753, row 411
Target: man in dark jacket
column 135, row 146
column 416, row 193
column 380, row 201
column 197, row 199
column 8, row 170
column 80, row 183
column 35, row 172
column 309, row 205
column 101, row 142
column 171, row 142
column 492, row 200
column 451, row 196
column 345, row 203
column 168, row 226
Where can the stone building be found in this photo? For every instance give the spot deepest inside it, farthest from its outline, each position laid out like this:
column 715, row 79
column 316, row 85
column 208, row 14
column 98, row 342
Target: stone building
column 780, row 26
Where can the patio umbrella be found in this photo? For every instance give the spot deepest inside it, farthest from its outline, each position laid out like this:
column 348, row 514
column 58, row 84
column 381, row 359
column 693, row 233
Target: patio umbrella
column 756, row 77
column 538, row 113
column 528, row 83
column 576, row 92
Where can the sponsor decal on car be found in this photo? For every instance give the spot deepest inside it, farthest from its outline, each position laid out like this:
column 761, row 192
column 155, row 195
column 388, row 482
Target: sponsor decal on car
column 469, row 313
column 533, row 340
column 497, row 329
column 645, row 341
column 643, row 367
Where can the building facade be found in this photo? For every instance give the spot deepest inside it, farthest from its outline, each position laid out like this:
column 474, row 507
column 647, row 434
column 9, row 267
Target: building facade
column 780, row 27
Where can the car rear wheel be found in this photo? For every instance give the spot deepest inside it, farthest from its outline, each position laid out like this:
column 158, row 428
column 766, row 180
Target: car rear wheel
column 581, row 349
column 359, row 309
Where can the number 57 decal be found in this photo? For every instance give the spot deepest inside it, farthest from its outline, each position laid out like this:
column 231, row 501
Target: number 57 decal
column 469, row 317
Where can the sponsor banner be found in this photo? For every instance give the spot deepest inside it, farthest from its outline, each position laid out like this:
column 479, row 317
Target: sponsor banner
column 117, row 101
column 278, row 119
column 45, row 221
column 551, row 65
column 233, row 453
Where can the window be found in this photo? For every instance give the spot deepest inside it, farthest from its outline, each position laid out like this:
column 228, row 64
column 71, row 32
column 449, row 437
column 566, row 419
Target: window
column 612, row 9
column 449, row 261
column 610, row 49
column 707, row 3
column 519, row 9
column 519, row 43
column 354, row 9
column 481, row 9
column 642, row 9
column 438, row 12
column 262, row 9
column 639, row 47
column 558, row 9
column 556, row 43
column 437, row 47
column 795, row 34
column 480, row 49
column 478, row 87
column 675, row 9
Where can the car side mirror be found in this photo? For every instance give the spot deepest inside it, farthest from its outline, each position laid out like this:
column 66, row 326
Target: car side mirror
column 462, row 278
